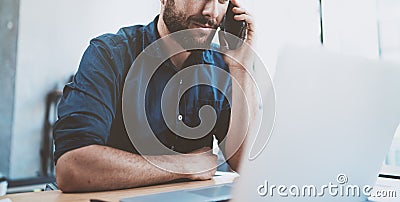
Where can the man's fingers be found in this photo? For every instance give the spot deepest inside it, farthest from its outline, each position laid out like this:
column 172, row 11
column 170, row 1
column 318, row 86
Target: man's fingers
column 239, row 11
column 248, row 19
column 243, row 15
column 250, row 25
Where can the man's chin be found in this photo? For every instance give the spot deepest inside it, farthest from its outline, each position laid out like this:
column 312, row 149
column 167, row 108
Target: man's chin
column 201, row 42
column 204, row 35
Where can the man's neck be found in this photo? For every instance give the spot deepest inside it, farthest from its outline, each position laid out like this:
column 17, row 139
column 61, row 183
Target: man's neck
column 163, row 31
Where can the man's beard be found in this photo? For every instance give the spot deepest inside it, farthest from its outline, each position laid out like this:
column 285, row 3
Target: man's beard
column 177, row 21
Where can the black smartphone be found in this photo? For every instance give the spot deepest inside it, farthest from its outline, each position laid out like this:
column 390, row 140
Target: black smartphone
column 234, row 27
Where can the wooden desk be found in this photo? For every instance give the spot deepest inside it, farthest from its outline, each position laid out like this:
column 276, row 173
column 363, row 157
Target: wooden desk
column 115, row 196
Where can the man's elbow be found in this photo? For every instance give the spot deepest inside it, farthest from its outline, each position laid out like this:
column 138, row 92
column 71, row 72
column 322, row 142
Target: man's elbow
column 67, row 174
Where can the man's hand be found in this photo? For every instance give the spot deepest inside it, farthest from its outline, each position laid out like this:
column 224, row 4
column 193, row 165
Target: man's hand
column 241, row 58
column 200, row 164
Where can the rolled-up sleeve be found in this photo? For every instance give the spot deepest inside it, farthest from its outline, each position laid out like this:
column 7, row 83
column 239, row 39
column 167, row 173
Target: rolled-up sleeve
column 88, row 104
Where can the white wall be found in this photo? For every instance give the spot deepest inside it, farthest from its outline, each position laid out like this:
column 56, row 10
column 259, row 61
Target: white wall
column 350, row 27
column 52, row 38
column 284, row 22
column 389, row 29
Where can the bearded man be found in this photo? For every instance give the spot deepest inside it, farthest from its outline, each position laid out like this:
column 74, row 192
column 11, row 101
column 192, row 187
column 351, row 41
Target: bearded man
column 95, row 151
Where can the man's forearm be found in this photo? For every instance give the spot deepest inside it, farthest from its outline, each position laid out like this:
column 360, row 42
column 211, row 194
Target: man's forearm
column 96, row 168
column 245, row 107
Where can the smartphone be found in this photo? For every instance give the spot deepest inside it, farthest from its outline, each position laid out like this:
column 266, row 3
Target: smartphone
column 234, row 27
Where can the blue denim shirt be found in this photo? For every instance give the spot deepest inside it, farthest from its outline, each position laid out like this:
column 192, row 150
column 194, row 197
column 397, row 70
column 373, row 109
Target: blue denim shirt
column 90, row 111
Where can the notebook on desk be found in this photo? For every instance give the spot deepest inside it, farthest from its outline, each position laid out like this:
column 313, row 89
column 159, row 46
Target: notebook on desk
column 335, row 115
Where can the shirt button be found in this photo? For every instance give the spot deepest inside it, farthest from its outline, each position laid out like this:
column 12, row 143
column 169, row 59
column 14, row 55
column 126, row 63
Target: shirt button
column 180, row 117
column 172, row 147
column 180, row 82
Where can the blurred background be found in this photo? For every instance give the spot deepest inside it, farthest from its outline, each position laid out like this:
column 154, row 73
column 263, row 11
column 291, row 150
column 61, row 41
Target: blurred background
column 42, row 41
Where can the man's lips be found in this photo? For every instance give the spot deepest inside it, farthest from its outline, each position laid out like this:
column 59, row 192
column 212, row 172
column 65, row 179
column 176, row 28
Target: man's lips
column 197, row 24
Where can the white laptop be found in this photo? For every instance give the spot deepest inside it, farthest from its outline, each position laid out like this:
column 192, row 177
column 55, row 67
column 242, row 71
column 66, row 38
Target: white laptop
column 335, row 119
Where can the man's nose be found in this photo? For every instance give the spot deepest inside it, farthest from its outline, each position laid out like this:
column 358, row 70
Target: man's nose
column 211, row 9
